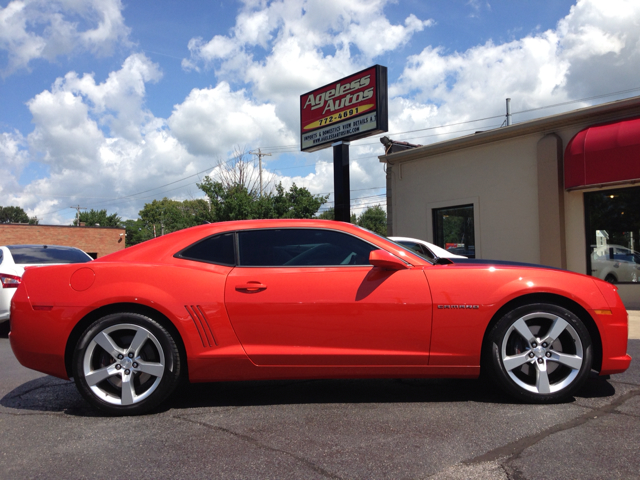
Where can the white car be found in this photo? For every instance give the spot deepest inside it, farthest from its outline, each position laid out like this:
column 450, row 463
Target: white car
column 615, row 264
column 15, row 258
column 426, row 249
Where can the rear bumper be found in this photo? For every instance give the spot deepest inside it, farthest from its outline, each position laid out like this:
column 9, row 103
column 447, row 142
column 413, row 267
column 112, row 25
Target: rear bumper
column 38, row 338
column 5, row 303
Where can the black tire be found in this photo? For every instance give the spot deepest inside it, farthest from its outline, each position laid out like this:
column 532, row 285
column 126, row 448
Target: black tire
column 126, row 364
column 611, row 279
column 548, row 366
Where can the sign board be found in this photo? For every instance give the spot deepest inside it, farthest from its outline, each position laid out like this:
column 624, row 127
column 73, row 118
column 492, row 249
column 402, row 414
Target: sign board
column 353, row 107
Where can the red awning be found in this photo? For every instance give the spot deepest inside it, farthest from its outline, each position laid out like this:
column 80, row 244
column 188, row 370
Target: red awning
column 603, row 154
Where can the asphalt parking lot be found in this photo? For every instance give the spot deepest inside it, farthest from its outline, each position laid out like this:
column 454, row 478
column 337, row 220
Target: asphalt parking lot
column 344, row 429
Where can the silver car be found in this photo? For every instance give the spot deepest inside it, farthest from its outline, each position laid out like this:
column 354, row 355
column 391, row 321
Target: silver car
column 15, row 258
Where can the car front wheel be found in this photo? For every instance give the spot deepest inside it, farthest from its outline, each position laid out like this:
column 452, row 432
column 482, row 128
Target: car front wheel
column 540, row 353
column 126, row 364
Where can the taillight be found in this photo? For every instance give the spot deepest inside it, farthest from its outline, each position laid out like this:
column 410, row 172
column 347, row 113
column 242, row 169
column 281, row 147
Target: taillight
column 10, row 281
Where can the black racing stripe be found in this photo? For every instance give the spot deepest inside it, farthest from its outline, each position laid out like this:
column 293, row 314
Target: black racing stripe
column 489, row 263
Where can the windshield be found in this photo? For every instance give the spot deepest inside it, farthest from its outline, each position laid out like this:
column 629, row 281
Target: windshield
column 46, row 254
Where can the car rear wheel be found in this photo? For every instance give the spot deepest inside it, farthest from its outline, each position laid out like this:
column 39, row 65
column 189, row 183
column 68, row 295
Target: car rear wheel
column 540, row 353
column 126, row 364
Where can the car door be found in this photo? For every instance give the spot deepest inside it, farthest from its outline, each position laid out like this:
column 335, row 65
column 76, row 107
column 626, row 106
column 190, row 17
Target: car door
column 309, row 297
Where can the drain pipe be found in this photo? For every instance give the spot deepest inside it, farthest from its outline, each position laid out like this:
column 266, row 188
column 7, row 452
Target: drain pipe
column 508, row 112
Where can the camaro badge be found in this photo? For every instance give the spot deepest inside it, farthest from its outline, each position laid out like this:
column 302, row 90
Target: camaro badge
column 459, row 307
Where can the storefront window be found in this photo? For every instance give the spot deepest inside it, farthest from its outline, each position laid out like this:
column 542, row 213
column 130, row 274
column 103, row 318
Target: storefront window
column 613, row 234
column 453, row 230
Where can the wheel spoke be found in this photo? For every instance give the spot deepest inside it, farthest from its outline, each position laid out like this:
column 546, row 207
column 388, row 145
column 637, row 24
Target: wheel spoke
column 515, row 361
column 109, row 346
column 523, row 329
column 153, row 369
column 139, row 357
column 137, row 342
column 128, row 392
column 101, row 374
column 542, row 378
column 556, row 329
column 571, row 361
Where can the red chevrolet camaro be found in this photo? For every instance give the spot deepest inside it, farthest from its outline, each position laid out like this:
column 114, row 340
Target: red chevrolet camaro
column 276, row 299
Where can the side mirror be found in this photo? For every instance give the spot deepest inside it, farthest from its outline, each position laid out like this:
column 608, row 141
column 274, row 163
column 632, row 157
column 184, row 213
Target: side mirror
column 386, row 260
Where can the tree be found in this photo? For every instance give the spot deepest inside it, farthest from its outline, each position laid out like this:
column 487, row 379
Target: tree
column 237, row 202
column 99, row 218
column 330, row 214
column 14, row 215
column 375, row 219
column 300, row 202
column 136, row 232
column 165, row 216
column 243, row 169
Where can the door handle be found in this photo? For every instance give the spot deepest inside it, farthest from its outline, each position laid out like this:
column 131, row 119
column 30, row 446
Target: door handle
column 252, row 287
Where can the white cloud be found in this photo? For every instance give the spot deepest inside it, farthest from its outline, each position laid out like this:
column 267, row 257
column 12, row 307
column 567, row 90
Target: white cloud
column 98, row 140
column 601, row 40
column 594, row 50
column 13, row 159
column 33, row 29
column 307, row 42
column 212, row 120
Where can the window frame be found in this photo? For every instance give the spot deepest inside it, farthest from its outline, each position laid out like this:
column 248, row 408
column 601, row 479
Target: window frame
column 449, row 206
column 180, row 255
column 236, row 248
column 238, row 257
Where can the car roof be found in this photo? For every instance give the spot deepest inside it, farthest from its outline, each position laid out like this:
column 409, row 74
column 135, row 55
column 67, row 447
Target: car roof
column 28, row 245
column 168, row 245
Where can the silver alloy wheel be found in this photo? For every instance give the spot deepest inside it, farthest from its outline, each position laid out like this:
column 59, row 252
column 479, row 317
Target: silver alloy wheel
column 123, row 364
column 542, row 353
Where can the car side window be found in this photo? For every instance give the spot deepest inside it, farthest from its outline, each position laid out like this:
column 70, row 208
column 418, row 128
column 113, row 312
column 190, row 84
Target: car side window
column 301, row 247
column 218, row 249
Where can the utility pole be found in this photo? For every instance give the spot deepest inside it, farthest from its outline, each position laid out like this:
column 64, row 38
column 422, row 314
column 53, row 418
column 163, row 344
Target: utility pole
column 260, row 155
column 78, row 208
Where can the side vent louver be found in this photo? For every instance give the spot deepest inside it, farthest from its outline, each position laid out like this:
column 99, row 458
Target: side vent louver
column 202, row 325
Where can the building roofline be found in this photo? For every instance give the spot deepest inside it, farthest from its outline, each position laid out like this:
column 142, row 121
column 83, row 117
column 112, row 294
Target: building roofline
column 628, row 107
column 57, row 226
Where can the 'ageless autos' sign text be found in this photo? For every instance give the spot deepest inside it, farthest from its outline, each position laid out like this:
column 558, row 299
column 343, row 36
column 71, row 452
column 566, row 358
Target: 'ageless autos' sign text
column 351, row 108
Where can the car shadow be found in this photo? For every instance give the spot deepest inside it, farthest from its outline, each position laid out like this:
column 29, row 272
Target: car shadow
column 4, row 329
column 50, row 394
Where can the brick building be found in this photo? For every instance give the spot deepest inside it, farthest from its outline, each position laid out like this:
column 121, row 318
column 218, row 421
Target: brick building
column 96, row 241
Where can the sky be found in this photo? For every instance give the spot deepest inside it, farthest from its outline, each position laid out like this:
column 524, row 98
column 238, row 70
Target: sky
column 110, row 104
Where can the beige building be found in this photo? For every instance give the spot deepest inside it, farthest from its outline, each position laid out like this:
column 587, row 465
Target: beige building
column 553, row 191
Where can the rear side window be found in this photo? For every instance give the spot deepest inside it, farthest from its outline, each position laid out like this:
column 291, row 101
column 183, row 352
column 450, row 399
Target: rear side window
column 46, row 254
column 301, row 247
column 217, row 249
